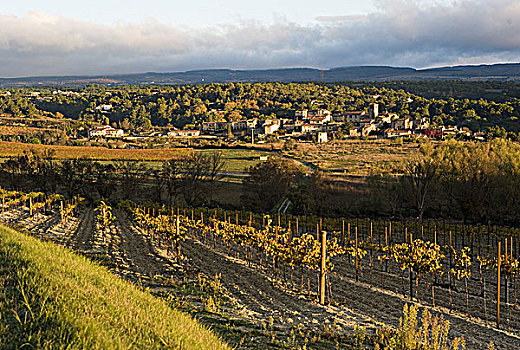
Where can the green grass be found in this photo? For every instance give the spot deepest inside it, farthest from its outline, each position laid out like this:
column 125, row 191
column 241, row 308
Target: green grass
column 238, row 160
column 51, row 298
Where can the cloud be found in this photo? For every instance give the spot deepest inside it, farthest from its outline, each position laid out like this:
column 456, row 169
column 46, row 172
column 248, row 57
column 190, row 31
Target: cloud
column 399, row 33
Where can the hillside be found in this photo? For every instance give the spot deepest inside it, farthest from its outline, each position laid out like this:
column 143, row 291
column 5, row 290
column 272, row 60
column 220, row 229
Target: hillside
column 51, row 298
column 510, row 71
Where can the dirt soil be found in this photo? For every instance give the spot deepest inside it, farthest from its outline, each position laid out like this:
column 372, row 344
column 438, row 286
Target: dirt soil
column 257, row 296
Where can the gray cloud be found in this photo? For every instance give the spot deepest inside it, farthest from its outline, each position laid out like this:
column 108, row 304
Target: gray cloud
column 400, row 32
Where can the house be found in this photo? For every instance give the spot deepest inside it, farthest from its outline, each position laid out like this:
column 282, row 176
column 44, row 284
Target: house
column 354, row 132
column 351, row 116
column 301, row 114
column 184, row 133
column 367, row 129
column 385, row 119
column 402, row 123
column 321, row 119
column 105, row 131
column 310, row 127
column 322, row 137
column 271, row 128
column 104, row 108
column 239, row 125
column 422, row 123
column 479, row 136
column 252, row 123
column 318, row 113
column 466, row 131
column 214, row 126
column 393, row 133
column 451, row 131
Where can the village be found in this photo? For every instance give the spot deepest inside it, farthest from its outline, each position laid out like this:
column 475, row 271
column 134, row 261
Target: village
column 319, row 126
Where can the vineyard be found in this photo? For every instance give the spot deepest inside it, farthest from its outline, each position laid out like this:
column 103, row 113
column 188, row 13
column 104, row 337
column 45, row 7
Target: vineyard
column 286, row 272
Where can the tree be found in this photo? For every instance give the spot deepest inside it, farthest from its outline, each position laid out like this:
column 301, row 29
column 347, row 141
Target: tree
column 193, row 178
column 198, row 177
column 73, row 174
column 130, row 175
column 420, row 173
column 170, row 173
column 307, row 194
column 269, row 182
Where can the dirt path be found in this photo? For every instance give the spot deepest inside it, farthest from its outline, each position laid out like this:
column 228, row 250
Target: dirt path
column 135, row 255
column 259, row 296
column 81, row 240
column 386, row 306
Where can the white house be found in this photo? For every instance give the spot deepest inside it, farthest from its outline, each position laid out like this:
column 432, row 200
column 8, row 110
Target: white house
column 322, row 137
column 392, row 133
column 104, row 107
column 271, row 128
column 184, row 133
column 105, row 131
column 310, row 127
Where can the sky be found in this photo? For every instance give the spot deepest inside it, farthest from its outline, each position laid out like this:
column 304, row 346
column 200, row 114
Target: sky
column 59, row 37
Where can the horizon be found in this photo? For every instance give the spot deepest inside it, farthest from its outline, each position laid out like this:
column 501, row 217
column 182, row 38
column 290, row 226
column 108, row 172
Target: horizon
column 60, row 38
column 263, row 69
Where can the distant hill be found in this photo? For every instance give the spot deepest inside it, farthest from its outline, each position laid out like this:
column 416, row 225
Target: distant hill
column 509, row 71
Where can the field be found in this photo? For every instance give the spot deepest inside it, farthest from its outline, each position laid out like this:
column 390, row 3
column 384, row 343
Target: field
column 256, row 298
column 10, row 149
column 355, row 157
column 51, row 298
column 21, row 130
column 236, row 160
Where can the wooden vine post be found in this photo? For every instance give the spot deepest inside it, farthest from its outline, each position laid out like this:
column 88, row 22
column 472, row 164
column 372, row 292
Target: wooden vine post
column 343, row 231
column 386, row 245
column 177, row 235
column 357, row 263
column 323, row 270
column 498, row 285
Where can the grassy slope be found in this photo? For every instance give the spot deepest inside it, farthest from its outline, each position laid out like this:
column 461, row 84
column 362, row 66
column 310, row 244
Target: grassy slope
column 51, row 298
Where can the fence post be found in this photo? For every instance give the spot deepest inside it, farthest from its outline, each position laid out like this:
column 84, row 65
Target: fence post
column 357, row 264
column 323, row 266
column 498, row 285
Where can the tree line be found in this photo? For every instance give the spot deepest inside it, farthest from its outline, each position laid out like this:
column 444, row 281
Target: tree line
column 190, row 179
column 475, row 182
column 187, row 106
column 467, row 181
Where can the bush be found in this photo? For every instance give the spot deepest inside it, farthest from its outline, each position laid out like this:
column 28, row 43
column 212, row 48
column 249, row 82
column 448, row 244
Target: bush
column 430, row 333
